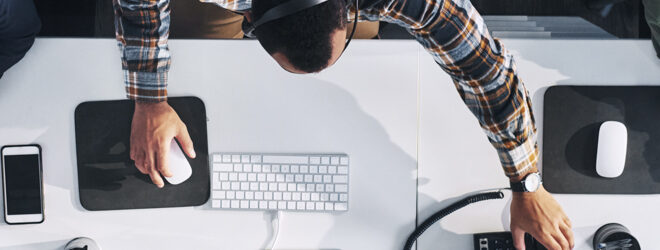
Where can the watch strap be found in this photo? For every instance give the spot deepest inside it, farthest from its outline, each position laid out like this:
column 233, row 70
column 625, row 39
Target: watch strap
column 518, row 186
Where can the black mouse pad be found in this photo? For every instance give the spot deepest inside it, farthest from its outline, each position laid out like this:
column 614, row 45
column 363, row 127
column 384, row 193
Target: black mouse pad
column 572, row 116
column 107, row 177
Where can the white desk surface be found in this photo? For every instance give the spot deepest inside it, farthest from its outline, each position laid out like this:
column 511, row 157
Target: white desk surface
column 446, row 173
column 369, row 113
column 364, row 106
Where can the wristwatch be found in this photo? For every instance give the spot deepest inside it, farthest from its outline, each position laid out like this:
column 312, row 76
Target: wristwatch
column 530, row 183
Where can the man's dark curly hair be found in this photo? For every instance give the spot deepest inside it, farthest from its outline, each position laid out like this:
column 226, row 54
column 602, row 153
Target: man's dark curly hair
column 303, row 37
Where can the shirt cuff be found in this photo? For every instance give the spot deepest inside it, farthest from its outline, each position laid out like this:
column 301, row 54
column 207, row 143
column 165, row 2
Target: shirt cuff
column 519, row 160
column 146, row 86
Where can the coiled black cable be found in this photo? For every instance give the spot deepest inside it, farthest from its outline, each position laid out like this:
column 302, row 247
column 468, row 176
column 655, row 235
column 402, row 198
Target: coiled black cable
column 448, row 210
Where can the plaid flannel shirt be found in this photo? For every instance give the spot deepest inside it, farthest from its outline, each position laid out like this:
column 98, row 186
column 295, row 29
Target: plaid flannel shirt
column 452, row 31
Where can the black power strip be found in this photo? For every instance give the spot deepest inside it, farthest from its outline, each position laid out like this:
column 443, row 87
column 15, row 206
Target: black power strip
column 503, row 241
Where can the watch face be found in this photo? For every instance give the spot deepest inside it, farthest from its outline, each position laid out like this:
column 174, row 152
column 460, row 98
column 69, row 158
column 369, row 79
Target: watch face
column 532, row 182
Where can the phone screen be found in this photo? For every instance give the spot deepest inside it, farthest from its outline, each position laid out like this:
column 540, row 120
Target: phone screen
column 22, row 183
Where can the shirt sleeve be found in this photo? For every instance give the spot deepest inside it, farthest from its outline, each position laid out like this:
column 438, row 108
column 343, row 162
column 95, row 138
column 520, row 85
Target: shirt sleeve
column 483, row 71
column 142, row 30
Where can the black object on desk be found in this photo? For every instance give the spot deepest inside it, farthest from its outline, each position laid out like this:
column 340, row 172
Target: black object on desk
column 572, row 116
column 107, row 177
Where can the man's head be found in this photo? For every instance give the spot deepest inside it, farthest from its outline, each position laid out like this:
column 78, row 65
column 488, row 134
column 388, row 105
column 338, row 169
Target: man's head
column 307, row 41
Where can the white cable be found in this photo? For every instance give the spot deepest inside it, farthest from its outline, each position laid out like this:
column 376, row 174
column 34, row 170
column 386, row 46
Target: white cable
column 275, row 224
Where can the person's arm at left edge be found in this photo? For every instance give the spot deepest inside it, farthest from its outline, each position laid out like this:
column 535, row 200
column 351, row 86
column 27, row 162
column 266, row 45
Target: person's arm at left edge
column 484, row 73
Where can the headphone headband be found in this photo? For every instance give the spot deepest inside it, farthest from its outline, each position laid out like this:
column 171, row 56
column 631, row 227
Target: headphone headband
column 285, row 9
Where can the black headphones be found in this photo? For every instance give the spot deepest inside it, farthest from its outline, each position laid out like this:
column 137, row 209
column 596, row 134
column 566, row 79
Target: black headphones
column 291, row 7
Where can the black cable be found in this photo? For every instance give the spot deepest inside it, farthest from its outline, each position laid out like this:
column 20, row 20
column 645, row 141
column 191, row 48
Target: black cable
column 448, row 210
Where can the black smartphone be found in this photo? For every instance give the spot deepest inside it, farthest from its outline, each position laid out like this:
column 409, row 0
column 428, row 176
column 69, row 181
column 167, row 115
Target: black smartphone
column 22, row 184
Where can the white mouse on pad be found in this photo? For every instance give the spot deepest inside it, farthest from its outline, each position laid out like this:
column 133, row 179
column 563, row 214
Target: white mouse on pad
column 612, row 146
column 178, row 164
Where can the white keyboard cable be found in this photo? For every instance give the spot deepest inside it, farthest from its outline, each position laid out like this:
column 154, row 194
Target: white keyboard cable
column 274, row 216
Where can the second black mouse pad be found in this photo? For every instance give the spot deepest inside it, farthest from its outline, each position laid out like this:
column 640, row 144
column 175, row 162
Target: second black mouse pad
column 107, row 177
column 572, row 116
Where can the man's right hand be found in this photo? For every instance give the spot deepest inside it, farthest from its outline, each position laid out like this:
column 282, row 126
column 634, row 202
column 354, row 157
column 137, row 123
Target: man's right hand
column 153, row 127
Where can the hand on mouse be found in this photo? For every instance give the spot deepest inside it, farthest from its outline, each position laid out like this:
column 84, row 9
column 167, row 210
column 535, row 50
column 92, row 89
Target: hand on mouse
column 538, row 214
column 153, row 127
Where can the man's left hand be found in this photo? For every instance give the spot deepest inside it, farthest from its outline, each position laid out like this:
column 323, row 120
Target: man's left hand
column 538, row 214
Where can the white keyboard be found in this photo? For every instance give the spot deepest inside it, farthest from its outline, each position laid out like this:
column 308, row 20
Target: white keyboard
column 294, row 182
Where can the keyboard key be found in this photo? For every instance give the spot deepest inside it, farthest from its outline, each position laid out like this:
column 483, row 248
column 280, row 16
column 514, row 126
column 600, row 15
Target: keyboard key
column 258, row 195
column 215, row 204
column 249, row 195
column 343, row 161
column 309, row 205
column 340, row 179
column 320, row 205
column 254, row 204
column 329, row 206
column 238, row 167
column 299, row 178
column 295, row 196
column 329, row 187
column 332, row 169
column 254, row 186
column 263, row 205
column 256, row 168
column 341, row 188
column 261, row 177
column 272, row 205
column 272, row 186
column 291, row 205
column 226, row 185
column 318, row 178
column 314, row 196
column 325, row 160
column 275, row 168
column 284, row 169
column 233, row 176
column 342, row 170
column 216, row 177
column 285, row 159
column 218, row 194
column 288, row 178
column 235, row 158
column 304, row 169
column 240, row 195
column 327, row 178
column 245, row 186
column 291, row 187
column 309, row 178
column 255, row 158
column 304, row 196
column 334, row 160
column 300, row 187
column 226, row 158
column 279, row 178
column 300, row 205
column 343, row 197
column 247, row 168
column 216, row 185
column 341, row 206
column 222, row 167
column 281, row 186
column 245, row 204
column 265, row 168
column 234, row 204
column 225, row 204
column 281, row 205
column 242, row 176
column 324, row 197
column 252, row 177
column 268, row 195
column 263, row 186
column 295, row 169
column 224, row 176
column 277, row 196
column 314, row 169
column 235, row 186
column 323, row 169
column 286, row 196
column 245, row 158
column 309, row 188
column 270, row 177
column 315, row 160
column 334, row 197
column 231, row 195
column 319, row 188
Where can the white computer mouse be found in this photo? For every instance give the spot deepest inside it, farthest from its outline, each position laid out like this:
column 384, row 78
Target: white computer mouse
column 178, row 164
column 612, row 146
